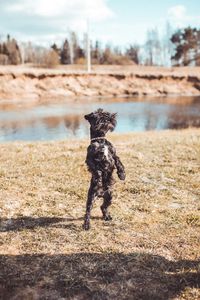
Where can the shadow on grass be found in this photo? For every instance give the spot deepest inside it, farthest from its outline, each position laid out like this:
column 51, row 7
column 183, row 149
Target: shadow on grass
column 95, row 276
column 18, row 224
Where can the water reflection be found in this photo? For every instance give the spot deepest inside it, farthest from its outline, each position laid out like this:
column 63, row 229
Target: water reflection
column 60, row 120
column 48, row 128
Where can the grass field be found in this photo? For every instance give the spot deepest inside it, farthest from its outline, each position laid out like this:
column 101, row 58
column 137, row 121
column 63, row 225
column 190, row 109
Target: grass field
column 149, row 251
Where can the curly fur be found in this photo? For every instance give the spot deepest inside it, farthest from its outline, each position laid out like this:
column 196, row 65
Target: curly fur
column 101, row 161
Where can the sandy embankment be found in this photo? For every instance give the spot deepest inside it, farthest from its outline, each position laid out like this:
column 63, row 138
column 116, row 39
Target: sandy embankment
column 20, row 83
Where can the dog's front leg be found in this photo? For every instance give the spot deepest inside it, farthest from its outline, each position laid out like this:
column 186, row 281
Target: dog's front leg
column 120, row 168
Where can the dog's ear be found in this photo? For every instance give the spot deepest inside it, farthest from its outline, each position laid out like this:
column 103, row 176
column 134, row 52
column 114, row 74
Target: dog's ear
column 113, row 121
column 89, row 117
column 113, row 116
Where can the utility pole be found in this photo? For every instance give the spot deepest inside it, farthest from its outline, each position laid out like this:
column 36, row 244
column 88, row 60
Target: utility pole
column 88, row 48
column 22, row 50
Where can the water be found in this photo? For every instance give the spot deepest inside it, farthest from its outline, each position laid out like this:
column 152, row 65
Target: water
column 54, row 121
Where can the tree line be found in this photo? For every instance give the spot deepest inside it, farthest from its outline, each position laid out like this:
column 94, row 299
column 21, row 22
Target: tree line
column 176, row 48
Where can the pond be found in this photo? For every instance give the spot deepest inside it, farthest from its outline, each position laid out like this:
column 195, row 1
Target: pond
column 61, row 120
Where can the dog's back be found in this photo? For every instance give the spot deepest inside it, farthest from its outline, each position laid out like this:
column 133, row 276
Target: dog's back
column 101, row 154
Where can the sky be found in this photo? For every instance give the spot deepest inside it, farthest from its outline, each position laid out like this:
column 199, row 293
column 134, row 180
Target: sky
column 117, row 22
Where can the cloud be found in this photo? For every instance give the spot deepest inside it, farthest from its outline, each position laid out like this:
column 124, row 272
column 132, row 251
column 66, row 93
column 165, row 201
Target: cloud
column 44, row 18
column 96, row 10
column 177, row 12
column 178, row 16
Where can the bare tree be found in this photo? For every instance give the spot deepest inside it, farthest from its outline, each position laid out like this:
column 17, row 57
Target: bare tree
column 167, row 45
column 153, row 48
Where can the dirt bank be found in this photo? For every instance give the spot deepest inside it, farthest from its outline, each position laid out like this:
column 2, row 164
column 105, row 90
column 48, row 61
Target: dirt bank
column 18, row 83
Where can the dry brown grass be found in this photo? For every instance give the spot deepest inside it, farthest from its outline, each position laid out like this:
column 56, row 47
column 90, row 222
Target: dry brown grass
column 81, row 68
column 149, row 251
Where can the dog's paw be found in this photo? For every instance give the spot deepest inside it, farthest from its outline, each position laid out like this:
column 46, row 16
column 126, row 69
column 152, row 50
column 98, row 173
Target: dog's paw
column 107, row 218
column 122, row 176
column 86, row 226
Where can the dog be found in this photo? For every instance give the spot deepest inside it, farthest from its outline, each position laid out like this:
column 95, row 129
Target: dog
column 101, row 160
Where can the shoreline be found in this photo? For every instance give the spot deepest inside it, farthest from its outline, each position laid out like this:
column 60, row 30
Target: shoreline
column 32, row 84
column 115, row 137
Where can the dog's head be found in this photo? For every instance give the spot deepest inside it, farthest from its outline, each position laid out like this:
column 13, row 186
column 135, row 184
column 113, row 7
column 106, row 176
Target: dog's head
column 101, row 121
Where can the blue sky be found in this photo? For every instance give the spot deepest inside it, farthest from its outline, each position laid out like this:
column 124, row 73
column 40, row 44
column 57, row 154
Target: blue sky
column 119, row 22
column 133, row 18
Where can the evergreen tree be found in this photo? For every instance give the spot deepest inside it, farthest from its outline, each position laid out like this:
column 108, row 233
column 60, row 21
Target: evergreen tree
column 65, row 53
column 96, row 52
column 10, row 49
column 133, row 53
column 187, row 46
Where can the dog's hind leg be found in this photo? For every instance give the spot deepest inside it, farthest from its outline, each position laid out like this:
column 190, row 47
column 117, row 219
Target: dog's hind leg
column 95, row 188
column 89, row 204
column 106, row 203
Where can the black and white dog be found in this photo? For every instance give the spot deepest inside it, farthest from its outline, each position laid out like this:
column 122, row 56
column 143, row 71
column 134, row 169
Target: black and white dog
column 101, row 161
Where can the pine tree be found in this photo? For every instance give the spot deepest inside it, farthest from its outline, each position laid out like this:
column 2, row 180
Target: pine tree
column 133, row 53
column 65, row 53
column 187, row 46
